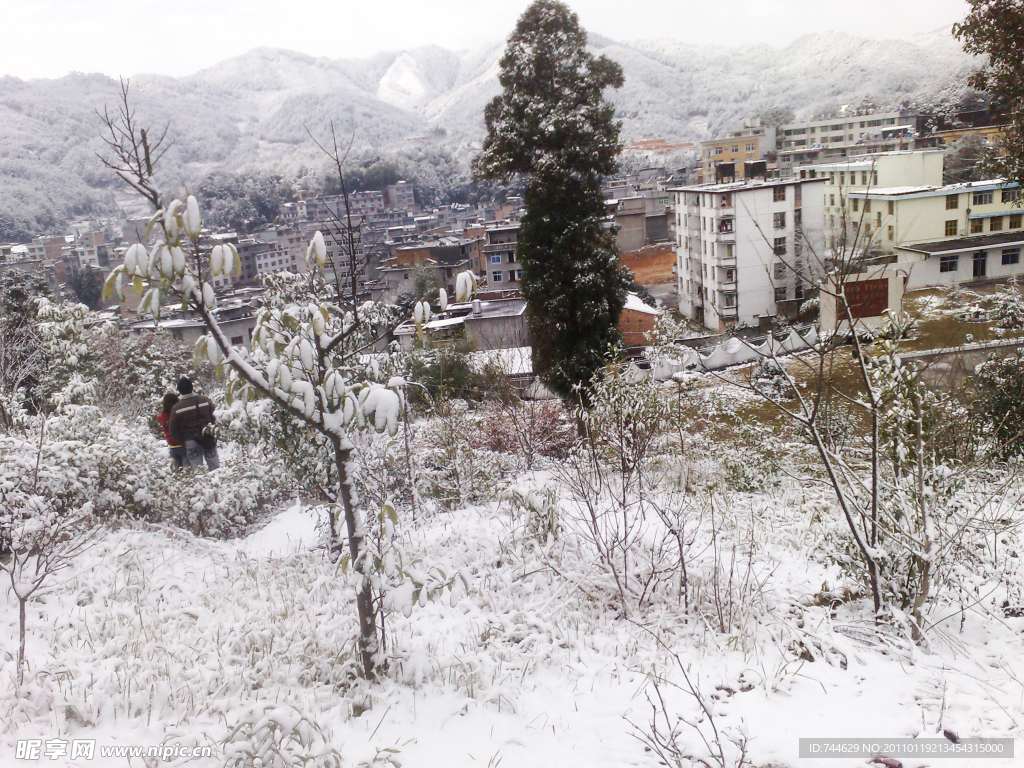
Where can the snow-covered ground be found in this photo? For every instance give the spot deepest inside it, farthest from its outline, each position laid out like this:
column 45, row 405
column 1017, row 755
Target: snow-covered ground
column 156, row 636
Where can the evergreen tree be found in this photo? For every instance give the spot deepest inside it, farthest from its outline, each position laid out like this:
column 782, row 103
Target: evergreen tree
column 87, row 285
column 995, row 28
column 552, row 125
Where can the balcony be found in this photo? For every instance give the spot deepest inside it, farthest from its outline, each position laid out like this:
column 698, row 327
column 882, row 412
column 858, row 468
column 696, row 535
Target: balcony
column 728, row 313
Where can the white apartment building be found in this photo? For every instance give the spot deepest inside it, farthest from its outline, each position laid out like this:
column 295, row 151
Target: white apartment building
column 745, row 251
column 828, row 138
column 945, row 234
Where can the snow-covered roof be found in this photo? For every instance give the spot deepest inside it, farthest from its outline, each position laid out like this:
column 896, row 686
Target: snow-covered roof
column 931, row 189
column 446, row 322
column 636, row 304
column 514, row 361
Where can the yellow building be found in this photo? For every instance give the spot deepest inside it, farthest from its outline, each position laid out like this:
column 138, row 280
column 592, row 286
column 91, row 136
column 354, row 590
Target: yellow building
column 724, row 158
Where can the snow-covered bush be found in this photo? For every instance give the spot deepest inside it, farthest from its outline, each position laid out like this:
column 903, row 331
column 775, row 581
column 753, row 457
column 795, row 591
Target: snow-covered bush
column 526, row 430
column 274, row 736
column 136, row 371
column 452, row 472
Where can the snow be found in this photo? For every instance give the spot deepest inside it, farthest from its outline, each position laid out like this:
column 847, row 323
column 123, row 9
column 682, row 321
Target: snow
column 636, row 304
column 292, row 531
column 526, row 668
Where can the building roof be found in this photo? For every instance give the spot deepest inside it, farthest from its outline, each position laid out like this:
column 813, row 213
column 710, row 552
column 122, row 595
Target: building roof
column 745, row 184
column 962, row 244
column 636, row 304
column 931, row 190
column 868, row 159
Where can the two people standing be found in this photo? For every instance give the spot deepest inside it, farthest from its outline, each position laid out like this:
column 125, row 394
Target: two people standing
column 187, row 421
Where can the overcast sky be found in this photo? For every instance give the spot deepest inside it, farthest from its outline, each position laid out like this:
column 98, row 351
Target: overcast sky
column 49, row 38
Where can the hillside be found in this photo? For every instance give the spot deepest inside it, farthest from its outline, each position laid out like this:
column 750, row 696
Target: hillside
column 251, row 112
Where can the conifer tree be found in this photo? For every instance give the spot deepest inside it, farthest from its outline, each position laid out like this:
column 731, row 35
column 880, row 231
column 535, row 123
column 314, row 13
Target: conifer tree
column 552, row 125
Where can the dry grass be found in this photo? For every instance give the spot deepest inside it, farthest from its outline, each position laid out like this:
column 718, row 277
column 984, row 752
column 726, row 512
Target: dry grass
column 651, row 265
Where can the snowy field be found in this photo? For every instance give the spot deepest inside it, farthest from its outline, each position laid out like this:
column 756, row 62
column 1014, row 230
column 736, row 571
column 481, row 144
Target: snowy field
column 158, row 637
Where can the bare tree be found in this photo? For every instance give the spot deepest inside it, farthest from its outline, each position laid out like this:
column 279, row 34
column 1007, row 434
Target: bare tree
column 306, row 347
column 38, row 538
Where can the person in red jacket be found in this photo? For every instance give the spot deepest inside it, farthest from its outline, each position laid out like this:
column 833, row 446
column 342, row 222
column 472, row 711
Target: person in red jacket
column 164, row 419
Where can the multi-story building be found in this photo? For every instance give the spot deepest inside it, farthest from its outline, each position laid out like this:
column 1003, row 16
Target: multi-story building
column 870, row 174
column 746, row 251
column 498, row 266
column 932, row 226
column 726, row 158
column 828, row 139
column 402, row 196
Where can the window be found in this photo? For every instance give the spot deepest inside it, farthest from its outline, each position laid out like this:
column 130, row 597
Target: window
column 780, row 220
column 798, row 292
column 981, row 198
column 842, row 178
column 1015, row 221
column 779, row 271
column 878, row 219
column 726, row 200
column 511, row 257
column 995, row 224
column 951, row 228
column 751, row 147
column 237, row 341
column 1011, row 256
column 781, row 293
column 977, row 225
column 832, row 200
column 512, row 275
column 892, row 207
column 718, row 150
column 779, row 195
column 798, row 217
column 780, row 246
column 730, row 299
column 495, row 258
column 1010, row 195
column 519, row 274
column 947, row 263
column 891, row 233
column 863, row 178
column 952, row 201
column 855, row 204
column 867, row 206
column 496, row 276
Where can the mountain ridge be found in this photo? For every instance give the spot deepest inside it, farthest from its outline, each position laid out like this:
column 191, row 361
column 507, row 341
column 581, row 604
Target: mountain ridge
column 251, row 112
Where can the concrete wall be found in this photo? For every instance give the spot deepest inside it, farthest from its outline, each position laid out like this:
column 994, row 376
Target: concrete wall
column 925, row 271
column 833, row 318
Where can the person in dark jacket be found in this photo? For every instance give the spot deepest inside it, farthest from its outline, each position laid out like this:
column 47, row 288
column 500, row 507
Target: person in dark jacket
column 177, row 450
column 190, row 424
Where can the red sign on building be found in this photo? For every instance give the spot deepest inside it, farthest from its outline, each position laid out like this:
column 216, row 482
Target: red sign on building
column 867, row 298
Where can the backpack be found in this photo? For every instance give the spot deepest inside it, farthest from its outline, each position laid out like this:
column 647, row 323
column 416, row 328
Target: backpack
column 205, row 438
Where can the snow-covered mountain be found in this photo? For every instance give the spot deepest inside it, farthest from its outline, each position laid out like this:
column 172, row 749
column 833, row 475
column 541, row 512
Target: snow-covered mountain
column 253, row 111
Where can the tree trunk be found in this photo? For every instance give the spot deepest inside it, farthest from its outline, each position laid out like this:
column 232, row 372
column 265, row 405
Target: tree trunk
column 369, row 642
column 21, row 641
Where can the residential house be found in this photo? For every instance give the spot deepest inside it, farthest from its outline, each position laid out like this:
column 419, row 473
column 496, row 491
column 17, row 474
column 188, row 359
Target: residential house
column 744, row 249
column 850, row 131
column 501, row 269
column 727, row 157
